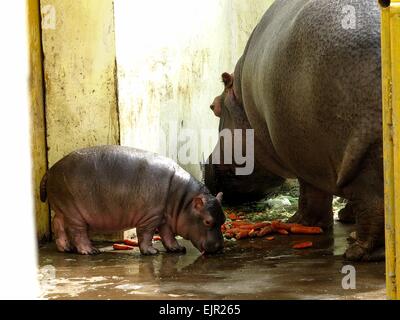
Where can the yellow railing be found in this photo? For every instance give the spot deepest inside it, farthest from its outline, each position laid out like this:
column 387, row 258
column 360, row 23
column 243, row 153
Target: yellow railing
column 391, row 140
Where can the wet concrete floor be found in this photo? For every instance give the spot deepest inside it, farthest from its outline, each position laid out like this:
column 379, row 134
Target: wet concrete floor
column 248, row 269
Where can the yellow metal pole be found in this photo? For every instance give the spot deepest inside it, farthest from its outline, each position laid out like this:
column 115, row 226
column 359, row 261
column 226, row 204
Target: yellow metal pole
column 391, row 139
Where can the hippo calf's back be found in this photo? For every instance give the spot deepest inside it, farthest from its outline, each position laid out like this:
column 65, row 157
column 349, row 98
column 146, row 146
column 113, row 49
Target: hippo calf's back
column 111, row 188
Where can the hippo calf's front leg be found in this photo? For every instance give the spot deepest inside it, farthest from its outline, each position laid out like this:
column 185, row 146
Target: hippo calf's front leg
column 145, row 238
column 169, row 241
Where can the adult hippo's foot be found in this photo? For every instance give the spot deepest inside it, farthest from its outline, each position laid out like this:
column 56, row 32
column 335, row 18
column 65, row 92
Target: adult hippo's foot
column 359, row 251
column 315, row 207
column 369, row 244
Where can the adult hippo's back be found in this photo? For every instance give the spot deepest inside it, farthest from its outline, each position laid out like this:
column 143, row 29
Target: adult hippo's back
column 309, row 84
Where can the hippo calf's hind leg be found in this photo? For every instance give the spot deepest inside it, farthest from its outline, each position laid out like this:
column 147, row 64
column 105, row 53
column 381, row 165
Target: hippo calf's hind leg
column 80, row 239
column 169, row 241
column 315, row 207
column 62, row 242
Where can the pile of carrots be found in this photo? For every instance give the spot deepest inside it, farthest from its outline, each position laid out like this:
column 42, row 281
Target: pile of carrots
column 239, row 228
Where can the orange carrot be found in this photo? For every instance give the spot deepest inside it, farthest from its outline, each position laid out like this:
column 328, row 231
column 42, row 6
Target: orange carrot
column 131, row 243
column 270, row 238
column 156, row 238
column 232, row 216
column 239, row 223
column 228, row 235
column 253, row 233
column 261, row 225
column 118, row 246
column 234, row 230
column 264, row 231
column 281, row 225
column 303, row 245
column 247, row 227
column 282, row 231
column 242, row 235
column 305, row 230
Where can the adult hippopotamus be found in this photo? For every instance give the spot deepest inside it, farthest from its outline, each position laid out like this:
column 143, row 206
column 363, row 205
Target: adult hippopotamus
column 309, row 84
column 114, row 188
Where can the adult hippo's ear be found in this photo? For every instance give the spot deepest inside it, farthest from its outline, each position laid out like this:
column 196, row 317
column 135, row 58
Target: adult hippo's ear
column 227, row 79
column 219, row 197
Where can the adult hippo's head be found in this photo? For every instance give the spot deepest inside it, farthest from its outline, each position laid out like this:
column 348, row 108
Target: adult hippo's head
column 221, row 172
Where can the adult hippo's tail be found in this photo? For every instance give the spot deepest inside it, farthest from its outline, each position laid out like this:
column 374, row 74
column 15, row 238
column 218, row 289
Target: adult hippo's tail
column 43, row 191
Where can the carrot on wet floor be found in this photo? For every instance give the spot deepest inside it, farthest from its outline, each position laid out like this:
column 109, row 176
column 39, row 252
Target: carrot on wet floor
column 305, row 230
column 303, row 245
column 119, row 246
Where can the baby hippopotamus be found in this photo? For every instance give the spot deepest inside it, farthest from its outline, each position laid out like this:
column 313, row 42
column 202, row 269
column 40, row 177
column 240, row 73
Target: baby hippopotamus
column 113, row 188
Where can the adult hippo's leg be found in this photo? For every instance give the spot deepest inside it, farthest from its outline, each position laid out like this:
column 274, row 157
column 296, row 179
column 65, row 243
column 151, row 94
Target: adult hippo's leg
column 347, row 214
column 367, row 197
column 370, row 232
column 315, row 207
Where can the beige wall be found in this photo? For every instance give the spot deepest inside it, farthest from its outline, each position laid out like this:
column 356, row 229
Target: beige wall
column 79, row 66
column 37, row 125
column 169, row 64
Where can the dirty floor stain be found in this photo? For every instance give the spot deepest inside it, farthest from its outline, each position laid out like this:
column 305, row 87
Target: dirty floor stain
column 248, row 269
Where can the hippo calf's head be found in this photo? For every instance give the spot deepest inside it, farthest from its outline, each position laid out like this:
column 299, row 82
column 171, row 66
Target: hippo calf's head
column 201, row 223
column 222, row 176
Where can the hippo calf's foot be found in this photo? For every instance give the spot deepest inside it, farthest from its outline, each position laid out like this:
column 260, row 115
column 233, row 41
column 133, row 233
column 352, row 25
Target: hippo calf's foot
column 169, row 241
column 81, row 241
column 176, row 249
column 63, row 245
column 88, row 250
column 148, row 251
column 145, row 238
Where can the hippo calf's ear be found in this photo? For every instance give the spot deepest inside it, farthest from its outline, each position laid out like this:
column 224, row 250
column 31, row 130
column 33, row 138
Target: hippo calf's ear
column 199, row 203
column 219, row 197
column 227, row 79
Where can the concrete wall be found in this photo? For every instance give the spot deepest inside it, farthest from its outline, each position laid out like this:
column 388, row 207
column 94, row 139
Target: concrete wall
column 37, row 118
column 169, row 63
column 79, row 66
